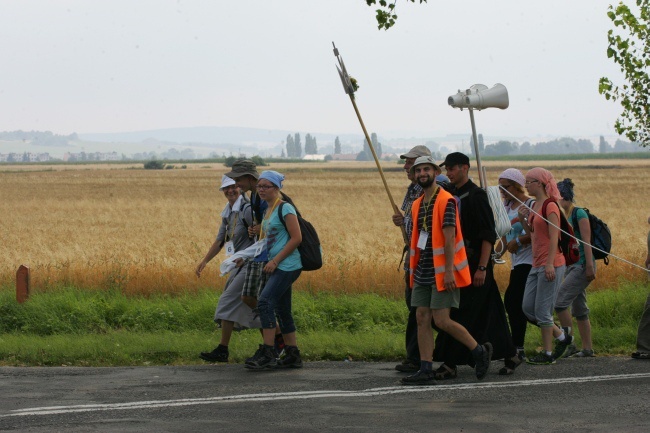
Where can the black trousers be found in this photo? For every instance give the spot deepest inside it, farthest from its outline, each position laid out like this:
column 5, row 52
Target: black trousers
column 412, row 347
column 483, row 314
column 512, row 300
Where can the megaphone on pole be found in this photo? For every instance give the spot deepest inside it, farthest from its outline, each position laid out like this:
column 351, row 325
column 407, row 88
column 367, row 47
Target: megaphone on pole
column 479, row 97
column 459, row 100
column 495, row 97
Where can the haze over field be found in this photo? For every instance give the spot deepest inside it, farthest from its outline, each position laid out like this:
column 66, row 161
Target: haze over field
column 120, row 66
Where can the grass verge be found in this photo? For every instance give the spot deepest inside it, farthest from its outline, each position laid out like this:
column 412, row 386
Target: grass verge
column 79, row 327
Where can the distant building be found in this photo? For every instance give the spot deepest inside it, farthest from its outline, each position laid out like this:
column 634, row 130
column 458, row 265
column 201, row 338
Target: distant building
column 344, row 156
column 314, row 157
column 92, row 156
column 25, row 157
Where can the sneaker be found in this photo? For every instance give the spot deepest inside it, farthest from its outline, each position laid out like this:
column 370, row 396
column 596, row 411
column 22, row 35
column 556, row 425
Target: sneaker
column 541, row 359
column 291, row 358
column 422, row 377
column 408, row 366
column 266, row 358
column 220, row 354
column 562, row 346
column 483, row 362
column 571, row 350
column 584, row 353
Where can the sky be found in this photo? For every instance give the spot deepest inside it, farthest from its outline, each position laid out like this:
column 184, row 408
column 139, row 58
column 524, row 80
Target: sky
column 115, row 66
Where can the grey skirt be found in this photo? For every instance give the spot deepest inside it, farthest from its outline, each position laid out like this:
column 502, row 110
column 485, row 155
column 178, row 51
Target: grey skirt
column 230, row 306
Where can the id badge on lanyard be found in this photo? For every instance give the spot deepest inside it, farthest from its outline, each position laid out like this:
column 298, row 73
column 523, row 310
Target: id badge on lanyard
column 422, row 239
column 261, row 253
column 230, row 248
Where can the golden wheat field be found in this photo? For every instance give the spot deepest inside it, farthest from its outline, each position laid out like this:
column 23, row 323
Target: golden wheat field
column 144, row 231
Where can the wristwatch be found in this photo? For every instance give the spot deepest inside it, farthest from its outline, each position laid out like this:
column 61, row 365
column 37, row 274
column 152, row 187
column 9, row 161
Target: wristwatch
column 482, row 268
column 518, row 241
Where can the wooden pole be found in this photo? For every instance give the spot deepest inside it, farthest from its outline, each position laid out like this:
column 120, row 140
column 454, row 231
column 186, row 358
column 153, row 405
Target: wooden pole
column 381, row 172
column 349, row 89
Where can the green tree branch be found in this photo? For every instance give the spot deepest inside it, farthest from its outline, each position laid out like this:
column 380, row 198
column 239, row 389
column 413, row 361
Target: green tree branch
column 631, row 51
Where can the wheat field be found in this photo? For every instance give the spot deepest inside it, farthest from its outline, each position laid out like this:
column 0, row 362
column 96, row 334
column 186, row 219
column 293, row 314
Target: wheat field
column 144, row 231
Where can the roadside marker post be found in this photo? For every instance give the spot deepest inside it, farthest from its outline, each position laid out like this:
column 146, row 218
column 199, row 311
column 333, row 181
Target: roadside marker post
column 22, row 284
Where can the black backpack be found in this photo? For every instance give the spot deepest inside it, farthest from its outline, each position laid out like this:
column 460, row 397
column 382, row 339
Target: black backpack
column 568, row 243
column 310, row 250
column 601, row 237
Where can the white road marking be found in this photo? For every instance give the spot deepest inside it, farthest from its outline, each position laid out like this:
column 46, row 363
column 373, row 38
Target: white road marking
column 303, row 395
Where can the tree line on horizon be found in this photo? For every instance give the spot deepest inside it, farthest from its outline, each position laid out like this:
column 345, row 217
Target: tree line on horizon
column 559, row 146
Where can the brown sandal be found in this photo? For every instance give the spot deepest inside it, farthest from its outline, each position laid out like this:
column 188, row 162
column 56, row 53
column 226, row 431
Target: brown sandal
column 443, row 373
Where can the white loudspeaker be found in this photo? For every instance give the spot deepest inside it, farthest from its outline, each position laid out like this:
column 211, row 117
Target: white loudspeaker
column 459, row 99
column 496, row 97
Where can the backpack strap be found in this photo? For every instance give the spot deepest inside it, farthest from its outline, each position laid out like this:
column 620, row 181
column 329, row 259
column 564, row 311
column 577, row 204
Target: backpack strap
column 243, row 213
column 280, row 215
column 574, row 221
column 290, row 201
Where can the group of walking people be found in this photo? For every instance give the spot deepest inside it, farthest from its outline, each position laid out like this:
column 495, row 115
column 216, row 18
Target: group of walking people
column 449, row 280
column 448, row 272
column 260, row 235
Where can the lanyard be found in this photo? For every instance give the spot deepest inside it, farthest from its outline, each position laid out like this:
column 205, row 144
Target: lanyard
column 268, row 214
column 232, row 232
column 427, row 206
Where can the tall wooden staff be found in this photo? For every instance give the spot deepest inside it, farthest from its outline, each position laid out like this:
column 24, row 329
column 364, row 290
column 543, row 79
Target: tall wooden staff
column 350, row 88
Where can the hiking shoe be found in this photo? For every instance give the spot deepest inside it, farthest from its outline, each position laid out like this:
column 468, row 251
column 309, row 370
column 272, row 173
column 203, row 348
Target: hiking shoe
column 561, row 347
column 422, row 377
column 584, row 353
column 408, row 366
column 220, row 354
column 541, row 359
column 266, row 358
column 257, row 354
column 483, row 361
column 291, row 358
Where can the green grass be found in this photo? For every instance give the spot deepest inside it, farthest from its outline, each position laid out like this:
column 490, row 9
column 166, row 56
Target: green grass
column 71, row 326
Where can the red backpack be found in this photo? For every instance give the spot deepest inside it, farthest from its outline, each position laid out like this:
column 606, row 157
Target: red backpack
column 568, row 243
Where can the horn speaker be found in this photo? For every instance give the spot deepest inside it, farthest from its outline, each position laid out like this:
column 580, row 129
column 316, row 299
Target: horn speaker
column 495, row 97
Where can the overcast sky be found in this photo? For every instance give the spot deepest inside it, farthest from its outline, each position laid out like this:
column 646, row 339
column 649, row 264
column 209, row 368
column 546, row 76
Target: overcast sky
column 113, row 66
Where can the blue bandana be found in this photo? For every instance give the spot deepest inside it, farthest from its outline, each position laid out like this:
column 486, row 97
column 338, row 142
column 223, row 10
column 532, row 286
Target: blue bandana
column 274, row 177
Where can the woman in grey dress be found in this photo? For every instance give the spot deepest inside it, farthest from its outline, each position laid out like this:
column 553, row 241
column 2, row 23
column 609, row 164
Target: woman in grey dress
column 231, row 313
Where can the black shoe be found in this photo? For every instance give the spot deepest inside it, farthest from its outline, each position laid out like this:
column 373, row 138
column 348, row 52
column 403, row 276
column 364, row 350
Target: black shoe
column 259, row 351
column 266, row 358
column 422, row 377
column 291, row 358
column 408, row 367
column 560, row 350
column 483, row 361
column 220, row 354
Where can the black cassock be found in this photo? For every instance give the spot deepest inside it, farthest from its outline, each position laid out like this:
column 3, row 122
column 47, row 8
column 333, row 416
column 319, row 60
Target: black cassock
column 481, row 309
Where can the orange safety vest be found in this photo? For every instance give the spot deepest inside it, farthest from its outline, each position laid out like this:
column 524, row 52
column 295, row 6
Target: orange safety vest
column 461, row 268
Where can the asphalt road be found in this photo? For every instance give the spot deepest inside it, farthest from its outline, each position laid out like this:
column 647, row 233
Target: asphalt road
column 603, row 394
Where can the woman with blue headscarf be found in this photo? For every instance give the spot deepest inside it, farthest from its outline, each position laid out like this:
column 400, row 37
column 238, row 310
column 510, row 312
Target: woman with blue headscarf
column 281, row 230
